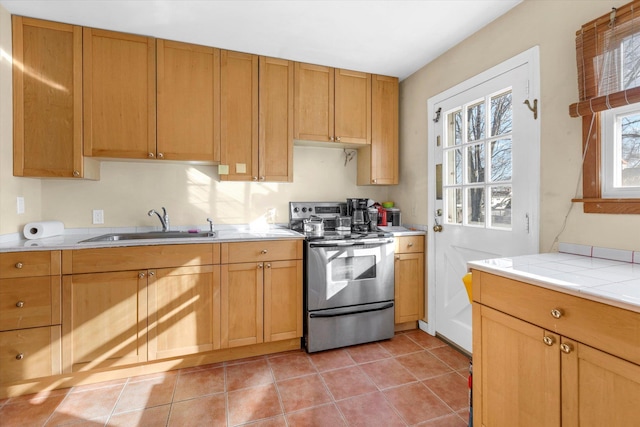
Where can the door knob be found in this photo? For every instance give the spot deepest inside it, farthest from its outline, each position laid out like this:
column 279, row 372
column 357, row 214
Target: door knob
column 437, row 228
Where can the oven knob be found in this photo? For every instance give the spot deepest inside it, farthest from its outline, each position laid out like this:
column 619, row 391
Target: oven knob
column 304, row 209
column 296, row 210
column 310, row 209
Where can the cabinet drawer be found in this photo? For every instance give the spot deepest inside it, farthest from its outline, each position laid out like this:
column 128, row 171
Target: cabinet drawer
column 29, row 302
column 29, row 353
column 26, row 264
column 409, row 244
column 268, row 250
column 139, row 258
column 593, row 323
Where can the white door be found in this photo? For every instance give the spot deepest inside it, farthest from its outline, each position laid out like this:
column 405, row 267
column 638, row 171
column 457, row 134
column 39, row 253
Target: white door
column 485, row 156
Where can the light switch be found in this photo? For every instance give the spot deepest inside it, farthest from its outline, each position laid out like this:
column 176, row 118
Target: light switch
column 20, row 207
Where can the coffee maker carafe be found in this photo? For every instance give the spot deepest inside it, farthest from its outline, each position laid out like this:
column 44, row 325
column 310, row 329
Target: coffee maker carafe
column 357, row 210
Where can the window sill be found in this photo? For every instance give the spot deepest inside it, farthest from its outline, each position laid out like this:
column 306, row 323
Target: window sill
column 610, row 206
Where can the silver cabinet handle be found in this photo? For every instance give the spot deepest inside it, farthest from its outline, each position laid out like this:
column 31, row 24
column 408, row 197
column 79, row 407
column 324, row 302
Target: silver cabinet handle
column 557, row 313
column 152, row 273
column 263, row 252
column 268, row 265
column 76, row 173
column 160, row 156
column 141, row 275
column 566, row 348
column 19, row 265
column 548, row 340
column 151, row 155
column 259, row 266
column 19, row 356
column 20, row 304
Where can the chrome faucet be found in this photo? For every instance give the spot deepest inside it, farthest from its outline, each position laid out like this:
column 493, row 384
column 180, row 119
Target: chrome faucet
column 210, row 221
column 164, row 218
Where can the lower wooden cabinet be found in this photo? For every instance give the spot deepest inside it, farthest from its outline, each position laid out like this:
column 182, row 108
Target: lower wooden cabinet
column 29, row 353
column 409, row 279
column 527, row 374
column 261, row 300
column 104, row 319
column 184, row 311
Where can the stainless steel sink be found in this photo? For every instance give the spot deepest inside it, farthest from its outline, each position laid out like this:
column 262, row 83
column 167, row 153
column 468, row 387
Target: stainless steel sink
column 112, row 237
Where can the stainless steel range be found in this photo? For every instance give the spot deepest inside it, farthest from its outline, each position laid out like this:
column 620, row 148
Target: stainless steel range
column 348, row 277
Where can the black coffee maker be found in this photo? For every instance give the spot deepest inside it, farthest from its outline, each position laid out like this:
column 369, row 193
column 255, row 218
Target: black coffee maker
column 357, row 210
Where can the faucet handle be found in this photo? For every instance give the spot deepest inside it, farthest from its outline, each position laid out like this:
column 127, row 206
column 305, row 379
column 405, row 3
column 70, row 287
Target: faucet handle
column 210, row 221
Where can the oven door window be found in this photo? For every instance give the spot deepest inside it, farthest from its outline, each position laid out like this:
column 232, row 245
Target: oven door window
column 353, row 268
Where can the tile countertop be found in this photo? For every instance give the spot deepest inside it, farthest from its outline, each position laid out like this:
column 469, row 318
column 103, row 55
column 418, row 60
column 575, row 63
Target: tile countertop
column 608, row 281
column 399, row 231
column 72, row 238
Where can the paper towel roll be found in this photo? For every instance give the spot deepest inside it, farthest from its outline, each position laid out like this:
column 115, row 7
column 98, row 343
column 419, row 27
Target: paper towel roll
column 42, row 229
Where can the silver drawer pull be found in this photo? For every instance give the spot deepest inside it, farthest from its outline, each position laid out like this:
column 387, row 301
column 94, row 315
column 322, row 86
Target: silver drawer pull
column 19, row 356
column 548, row 340
column 566, row 348
column 556, row 313
column 20, row 304
column 19, row 265
column 263, row 252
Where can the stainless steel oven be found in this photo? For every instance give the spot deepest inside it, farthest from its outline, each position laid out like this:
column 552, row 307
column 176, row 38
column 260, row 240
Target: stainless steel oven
column 349, row 292
column 348, row 282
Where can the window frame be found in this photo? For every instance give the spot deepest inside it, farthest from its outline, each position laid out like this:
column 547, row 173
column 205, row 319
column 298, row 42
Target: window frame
column 610, row 156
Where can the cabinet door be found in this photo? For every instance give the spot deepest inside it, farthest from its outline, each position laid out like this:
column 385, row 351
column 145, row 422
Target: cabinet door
column 276, row 120
column 409, row 287
column 119, row 95
column 352, row 107
column 598, row 389
column 314, row 102
column 241, row 296
column 188, row 102
column 282, row 300
column 184, row 311
column 239, row 116
column 104, row 320
column 29, row 353
column 516, row 375
column 378, row 162
column 47, row 95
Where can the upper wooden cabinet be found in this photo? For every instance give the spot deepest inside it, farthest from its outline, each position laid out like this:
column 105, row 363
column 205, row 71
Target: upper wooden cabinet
column 188, row 102
column 275, row 142
column 239, row 116
column 332, row 105
column 119, row 95
column 378, row 162
column 47, row 100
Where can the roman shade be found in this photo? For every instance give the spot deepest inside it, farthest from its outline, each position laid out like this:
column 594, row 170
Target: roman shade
column 608, row 58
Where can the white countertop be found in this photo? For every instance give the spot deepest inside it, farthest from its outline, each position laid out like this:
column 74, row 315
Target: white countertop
column 399, row 230
column 72, row 238
column 612, row 282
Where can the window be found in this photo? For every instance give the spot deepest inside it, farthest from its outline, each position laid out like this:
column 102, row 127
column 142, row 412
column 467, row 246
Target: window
column 608, row 59
column 478, row 164
column 621, row 152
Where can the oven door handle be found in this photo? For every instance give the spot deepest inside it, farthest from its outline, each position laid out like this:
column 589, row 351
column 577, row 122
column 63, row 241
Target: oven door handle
column 384, row 307
column 347, row 243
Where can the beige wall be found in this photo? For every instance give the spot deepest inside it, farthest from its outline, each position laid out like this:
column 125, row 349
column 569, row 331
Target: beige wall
column 552, row 26
column 127, row 190
column 10, row 187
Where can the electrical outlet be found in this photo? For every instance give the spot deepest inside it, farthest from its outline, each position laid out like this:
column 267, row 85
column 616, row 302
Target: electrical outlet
column 98, row 216
column 20, row 205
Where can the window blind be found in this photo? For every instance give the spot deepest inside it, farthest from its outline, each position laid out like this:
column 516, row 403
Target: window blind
column 608, row 59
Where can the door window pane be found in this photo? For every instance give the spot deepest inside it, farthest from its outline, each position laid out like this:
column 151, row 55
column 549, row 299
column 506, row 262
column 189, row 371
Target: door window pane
column 501, row 207
column 475, row 121
column 501, row 167
column 454, row 130
column 501, row 114
column 454, row 206
column 454, row 166
column 475, row 163
column 475, row 206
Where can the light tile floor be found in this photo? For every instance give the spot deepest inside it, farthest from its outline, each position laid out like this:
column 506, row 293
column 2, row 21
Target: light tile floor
column 412, row 379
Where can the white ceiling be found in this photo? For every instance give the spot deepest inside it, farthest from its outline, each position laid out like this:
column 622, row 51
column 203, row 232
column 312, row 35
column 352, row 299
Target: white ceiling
column 389, row 37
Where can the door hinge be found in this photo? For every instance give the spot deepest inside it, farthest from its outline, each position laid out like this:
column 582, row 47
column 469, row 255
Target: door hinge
column 527, row 223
